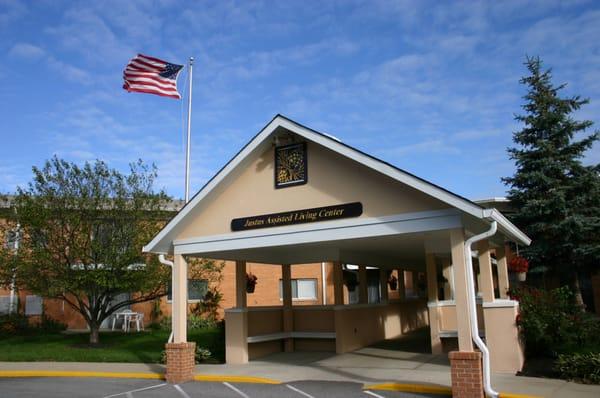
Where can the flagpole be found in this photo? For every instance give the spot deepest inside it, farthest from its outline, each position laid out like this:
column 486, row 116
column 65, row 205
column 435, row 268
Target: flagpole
column 189, row 136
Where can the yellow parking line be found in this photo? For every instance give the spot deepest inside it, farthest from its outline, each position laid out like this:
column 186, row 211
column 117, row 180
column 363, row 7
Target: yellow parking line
column 404, row 387
column 69, row 373
column 235, row 379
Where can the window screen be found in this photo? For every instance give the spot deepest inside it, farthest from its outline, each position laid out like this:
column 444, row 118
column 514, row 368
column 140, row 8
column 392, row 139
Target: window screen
column 4, row 304
column 197, row 289
column 302, row 289
column 33, row 305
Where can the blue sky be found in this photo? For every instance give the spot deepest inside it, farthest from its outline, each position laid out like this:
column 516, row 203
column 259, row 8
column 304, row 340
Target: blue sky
column 431, row 87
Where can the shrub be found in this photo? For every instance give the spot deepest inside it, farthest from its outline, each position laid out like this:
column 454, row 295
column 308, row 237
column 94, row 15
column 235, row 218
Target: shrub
column 13, row 323
column 51, row 325
column 193, row 322
column 551, row 323
column 581, row 367
column 202, row 355
column 198, row 322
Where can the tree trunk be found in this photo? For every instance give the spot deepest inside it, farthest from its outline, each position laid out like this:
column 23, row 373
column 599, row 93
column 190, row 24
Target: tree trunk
column 577, row 291
column 94, row 334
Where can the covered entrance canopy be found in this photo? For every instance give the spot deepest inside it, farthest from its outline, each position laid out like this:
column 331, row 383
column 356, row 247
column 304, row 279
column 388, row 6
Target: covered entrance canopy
column 293, row 195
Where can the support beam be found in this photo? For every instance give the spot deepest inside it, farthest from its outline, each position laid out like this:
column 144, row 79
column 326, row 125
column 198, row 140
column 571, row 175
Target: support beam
column 363, row 292
column 180, row 354
column 401, row 285
column 288, row 316
column 179, row 304
column 457, row 245
column 486, row 278
column 449, row 276
column 432, row 298
column 502, row 271
column 240, row 284
column 383, row 285
column 415, row 283
column 338, row 284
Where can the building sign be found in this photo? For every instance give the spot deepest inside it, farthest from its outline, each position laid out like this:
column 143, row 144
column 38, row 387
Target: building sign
column 326, row 213
column 290, row 165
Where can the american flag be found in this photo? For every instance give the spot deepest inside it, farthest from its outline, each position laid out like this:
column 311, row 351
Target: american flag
column 144, row 74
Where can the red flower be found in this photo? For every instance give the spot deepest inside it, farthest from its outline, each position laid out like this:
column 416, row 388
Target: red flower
column 518, row 264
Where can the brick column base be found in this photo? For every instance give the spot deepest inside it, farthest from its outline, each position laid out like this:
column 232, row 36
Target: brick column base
column 466, row 373
column 181, row 361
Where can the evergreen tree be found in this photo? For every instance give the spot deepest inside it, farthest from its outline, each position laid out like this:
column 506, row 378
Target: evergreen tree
column 556, row 197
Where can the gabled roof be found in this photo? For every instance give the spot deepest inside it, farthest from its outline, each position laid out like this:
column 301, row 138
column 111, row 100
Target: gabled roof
column 161, row 241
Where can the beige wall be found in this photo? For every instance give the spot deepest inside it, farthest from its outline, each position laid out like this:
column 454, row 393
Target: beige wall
column 448, row 317
column 502, row 338
column 332, row 179
column 359, row 326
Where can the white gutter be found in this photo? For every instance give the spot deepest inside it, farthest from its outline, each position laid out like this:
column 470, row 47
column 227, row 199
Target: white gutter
column 472, row 306
column 164, row 261
column 323, row 284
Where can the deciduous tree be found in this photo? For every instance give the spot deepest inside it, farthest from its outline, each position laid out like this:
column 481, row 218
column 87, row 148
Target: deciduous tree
column 82, row 229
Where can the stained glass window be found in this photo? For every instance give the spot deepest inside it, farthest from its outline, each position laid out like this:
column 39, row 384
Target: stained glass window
column 290, row 165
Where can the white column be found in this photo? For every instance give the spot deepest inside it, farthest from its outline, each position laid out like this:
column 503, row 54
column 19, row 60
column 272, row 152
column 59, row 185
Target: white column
column 432, row 298
column 502, row 271
column 288, row 316
column 179, row 305
column 240, row 284
column 457, row 244
column 486, row 284
column 363, row 292
column 338, row 284
column 383, row 284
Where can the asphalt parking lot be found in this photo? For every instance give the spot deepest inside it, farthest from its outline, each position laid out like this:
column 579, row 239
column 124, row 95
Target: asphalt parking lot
column 135, row 388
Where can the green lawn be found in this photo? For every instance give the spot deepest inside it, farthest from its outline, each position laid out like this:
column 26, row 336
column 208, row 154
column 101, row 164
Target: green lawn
column 114, row 346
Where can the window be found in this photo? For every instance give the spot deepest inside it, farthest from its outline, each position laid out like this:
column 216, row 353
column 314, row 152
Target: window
column 197, row 289
column 33, row 305
column 4, row 304
column 302, row 289
column 11, row 240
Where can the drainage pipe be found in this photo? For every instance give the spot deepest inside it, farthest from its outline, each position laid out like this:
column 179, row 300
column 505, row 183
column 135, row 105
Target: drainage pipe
column 164, row 261
column 472, row 305
column 323, row 284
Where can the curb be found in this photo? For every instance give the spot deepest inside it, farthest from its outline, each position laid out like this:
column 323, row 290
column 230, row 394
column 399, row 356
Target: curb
column 69, row 373
column 132, row 375
column 415, row 388
column 431, row 389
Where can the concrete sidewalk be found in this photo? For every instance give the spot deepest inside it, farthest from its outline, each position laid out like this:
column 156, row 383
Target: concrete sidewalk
column 368, row 366
column 373, row 365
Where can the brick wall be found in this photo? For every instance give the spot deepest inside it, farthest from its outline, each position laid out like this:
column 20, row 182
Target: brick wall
column 466, row 374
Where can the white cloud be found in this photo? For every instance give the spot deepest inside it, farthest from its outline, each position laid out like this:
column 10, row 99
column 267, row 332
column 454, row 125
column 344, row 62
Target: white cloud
column 27, row 51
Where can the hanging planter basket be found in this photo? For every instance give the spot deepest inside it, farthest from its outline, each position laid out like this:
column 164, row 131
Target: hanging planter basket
column 251, row 281
column 520, row 266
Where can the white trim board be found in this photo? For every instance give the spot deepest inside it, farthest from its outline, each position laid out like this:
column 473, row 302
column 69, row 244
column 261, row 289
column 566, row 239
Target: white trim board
column 161, row 244
column 387, row 226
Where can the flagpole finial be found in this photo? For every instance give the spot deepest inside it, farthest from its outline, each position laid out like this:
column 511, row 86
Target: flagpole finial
column 191, row 60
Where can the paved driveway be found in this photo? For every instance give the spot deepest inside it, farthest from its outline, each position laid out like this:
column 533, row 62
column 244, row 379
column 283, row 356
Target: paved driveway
column 130, row 388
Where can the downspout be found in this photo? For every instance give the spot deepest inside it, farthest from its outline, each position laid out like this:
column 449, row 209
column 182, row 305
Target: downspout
column 164, row 261
column 323, row 284
column 487, row 386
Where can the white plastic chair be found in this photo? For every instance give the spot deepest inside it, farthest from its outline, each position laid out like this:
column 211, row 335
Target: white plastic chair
column 138, row 319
